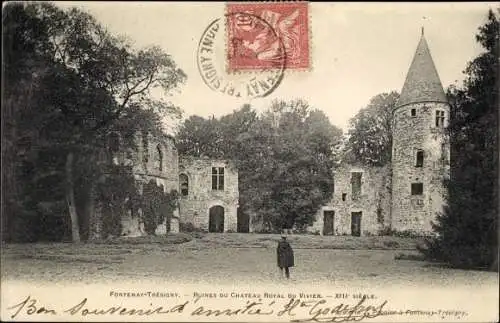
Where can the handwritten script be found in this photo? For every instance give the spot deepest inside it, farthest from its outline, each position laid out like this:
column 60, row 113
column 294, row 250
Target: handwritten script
column 316, row 311
column 321, row 311
column 294, row 309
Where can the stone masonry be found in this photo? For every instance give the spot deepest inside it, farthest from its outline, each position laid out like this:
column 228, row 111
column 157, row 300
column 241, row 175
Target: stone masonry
column 155, row 159
column 405, row 195
column 372, row 204
column 200, row 201
column 414, row 209
column 420, row 151
column 409, row 193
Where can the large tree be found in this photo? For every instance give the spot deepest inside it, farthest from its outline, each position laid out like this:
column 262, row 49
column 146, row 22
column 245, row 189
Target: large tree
column 284, row 158
column 76, row 83
column 467, row 231
column 369, row 139
column 299, row 150
column 215, row 138
column 199, row 137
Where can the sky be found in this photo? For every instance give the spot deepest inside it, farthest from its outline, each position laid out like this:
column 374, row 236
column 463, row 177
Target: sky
column 358, row 50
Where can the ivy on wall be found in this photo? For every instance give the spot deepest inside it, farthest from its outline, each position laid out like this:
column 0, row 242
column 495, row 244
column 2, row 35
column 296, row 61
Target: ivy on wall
column 117, row 194
column 157, row 206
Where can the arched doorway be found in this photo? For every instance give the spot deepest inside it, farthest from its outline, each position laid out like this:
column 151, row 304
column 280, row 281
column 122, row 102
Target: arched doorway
column 216, row 219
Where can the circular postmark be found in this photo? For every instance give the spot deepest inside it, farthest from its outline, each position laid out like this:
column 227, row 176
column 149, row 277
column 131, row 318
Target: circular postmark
column 219, row 49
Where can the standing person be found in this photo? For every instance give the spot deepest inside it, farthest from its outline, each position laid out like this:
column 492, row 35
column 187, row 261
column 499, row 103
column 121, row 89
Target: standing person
column 285, row 256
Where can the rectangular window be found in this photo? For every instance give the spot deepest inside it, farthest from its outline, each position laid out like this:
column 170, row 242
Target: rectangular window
column 419, row 162
column 439, row 118
column 218, row 178
column 344, row 196
column 413, row 112
column 356, row 185
column 417, row 188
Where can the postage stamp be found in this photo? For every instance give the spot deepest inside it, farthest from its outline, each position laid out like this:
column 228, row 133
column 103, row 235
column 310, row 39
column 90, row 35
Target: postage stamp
column 211, row 62
column 257, row 31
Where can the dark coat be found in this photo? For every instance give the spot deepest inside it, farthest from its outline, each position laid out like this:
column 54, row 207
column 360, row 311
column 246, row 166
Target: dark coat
column 285, row 255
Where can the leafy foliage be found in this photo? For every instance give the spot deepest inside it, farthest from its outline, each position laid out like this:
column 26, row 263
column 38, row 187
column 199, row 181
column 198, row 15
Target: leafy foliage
column 284, row 158
column 69, row 83
column 157, row 206
column 467, row 231
column 370, row 134
column 199, row 137
column 117, row 194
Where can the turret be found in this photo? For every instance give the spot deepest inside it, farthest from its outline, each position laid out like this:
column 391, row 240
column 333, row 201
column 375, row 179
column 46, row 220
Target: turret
column 420, row 151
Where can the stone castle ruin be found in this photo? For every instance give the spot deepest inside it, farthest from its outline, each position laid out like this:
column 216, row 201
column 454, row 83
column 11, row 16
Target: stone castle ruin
column 209, row 194
column 405, row 195
column 208, row 189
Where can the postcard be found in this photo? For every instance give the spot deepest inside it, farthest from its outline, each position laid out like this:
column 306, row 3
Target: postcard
column 274, row 161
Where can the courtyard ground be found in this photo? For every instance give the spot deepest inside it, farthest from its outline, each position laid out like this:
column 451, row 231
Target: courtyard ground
column 231, row 259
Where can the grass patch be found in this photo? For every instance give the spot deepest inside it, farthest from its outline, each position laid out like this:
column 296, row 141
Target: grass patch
column 198, row 235
column 173, row 238
column 404, row 256
column 72, row 259
column 311, row 242
column 92, row 250
column 272, row 239
column 391, row 244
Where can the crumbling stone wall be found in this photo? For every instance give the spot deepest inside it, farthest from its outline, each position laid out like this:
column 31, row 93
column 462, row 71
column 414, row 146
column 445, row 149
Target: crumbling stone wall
column 195, row 207
column 413, row 131
column 374, row 201
column 145, row 160
column 147, row 168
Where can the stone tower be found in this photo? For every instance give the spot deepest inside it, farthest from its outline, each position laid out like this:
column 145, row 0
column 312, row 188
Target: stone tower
column 420, row 147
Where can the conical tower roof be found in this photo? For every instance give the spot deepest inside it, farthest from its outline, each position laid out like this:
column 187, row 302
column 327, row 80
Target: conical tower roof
column 422, row 82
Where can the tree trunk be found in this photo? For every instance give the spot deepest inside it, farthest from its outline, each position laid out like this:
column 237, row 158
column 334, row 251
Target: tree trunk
column 70, row 198
column 94, row 214
column 95, row 211
column 9, row 181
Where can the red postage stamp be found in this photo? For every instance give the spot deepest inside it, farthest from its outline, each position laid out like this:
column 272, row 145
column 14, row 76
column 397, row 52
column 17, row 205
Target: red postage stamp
column 267, row 35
